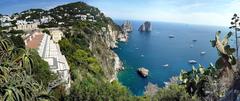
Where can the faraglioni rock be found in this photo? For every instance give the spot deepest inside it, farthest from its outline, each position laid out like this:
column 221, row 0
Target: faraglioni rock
column 143, row 71
column 145, row 27
column 127, row 27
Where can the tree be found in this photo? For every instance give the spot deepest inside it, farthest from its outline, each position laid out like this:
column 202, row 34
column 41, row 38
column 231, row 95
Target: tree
column 236, row 26
column 174, row 93
column 46, row 31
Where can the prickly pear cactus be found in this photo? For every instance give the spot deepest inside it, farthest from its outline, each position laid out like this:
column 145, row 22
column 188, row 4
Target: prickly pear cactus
column 226, row 58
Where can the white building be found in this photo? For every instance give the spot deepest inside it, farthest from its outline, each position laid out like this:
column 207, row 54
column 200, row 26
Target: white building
column 91, row 17
column 78, row 15
column 32, row 26
column 5, row 18
column 21, row 22
column 6, row 24
column 45, row 19
column 50, row 52
column 83, row 17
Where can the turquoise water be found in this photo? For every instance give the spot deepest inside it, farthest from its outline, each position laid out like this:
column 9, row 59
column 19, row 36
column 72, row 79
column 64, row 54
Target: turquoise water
column 154, row 49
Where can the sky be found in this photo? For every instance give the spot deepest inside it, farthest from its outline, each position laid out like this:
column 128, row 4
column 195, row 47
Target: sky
column 205, row 12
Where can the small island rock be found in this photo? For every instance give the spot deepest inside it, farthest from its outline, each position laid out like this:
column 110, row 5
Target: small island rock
column 143, row 71
column 145, row 27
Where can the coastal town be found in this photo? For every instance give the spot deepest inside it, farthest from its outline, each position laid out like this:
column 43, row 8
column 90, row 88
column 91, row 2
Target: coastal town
column 41, row 30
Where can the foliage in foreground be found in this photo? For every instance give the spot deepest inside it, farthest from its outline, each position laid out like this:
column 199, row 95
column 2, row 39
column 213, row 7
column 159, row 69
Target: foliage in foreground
column 210, row 83
column 16, row 76
column 174, row 92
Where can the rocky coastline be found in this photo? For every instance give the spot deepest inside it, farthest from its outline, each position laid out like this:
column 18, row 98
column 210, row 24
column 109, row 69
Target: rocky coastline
column 118, row 66
column 127, row 27
column 115, row 36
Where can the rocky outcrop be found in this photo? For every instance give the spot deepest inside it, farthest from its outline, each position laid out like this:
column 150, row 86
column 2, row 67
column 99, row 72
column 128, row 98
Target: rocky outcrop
column 143, row 71
column 145, row 27
column 100, row 36
column 127, row 27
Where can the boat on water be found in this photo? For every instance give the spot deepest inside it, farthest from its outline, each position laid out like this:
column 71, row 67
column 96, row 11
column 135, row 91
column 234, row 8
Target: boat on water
column 203, row 53
column 194, row 40
column 142, row 55
column 192, row 61
column 171, row 36
column 166, row 65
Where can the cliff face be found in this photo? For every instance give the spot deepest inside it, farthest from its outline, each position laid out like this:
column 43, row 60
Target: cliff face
column 101, row 45
column 99, row 32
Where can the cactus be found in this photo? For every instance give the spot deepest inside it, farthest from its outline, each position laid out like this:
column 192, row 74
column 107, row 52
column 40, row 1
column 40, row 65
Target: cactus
column 226, row 58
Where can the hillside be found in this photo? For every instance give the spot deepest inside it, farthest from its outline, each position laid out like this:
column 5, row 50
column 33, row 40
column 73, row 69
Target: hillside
column 89, row 37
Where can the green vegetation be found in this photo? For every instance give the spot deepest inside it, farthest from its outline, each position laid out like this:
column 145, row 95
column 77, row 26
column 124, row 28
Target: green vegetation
column 31, row 14
column 207, row 83
column 89, row 83
column 18, row 32
column 46, row 31
column 18, row 41
column 18, row 78
column 50, row 24
column 174, row 93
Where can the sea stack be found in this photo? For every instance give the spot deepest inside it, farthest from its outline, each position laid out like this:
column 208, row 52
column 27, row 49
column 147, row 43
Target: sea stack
column 145, row 27
column 143, row 72
column 127, row 27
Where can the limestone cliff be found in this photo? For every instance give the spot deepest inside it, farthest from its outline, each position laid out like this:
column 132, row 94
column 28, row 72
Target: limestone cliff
column 101, row 45
column 145, row 27
column 99, row 32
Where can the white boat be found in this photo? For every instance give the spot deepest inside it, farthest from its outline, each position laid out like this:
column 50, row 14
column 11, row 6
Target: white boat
column 203, row 53
column 166, row 65
column 171, row 36
column 142, row 55
column 192, row 61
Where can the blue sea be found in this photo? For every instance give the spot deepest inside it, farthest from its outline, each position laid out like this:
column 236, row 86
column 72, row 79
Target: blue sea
column 154, row 49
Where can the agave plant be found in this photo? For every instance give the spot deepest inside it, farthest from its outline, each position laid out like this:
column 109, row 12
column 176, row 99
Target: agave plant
column 21, row 87
column 15, row 83
column 6, row 49
column 23, row 58
column 235, row 25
